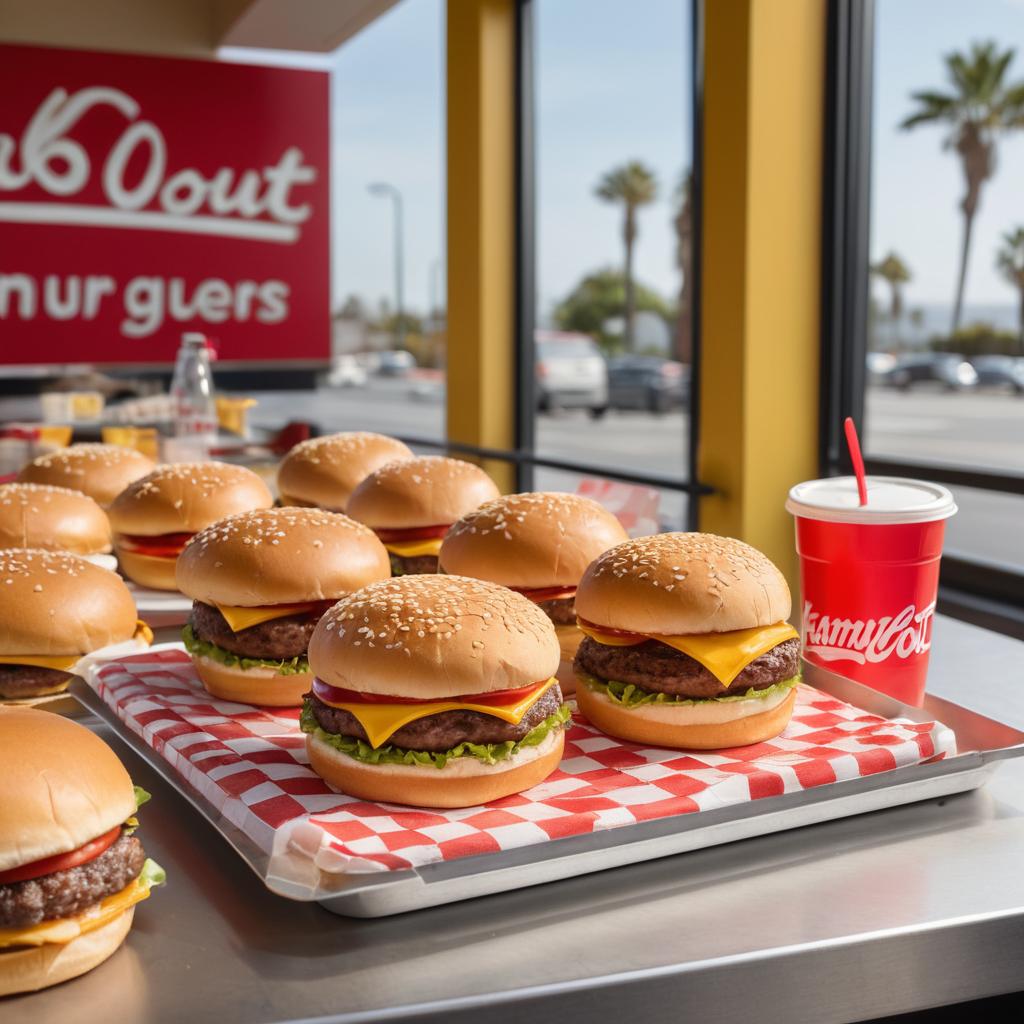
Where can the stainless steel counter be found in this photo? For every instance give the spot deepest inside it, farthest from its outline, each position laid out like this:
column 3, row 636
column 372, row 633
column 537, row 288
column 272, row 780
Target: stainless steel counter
column 887, row 912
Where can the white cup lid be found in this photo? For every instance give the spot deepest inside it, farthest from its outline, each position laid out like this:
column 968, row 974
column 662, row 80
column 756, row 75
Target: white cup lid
column 890, row 500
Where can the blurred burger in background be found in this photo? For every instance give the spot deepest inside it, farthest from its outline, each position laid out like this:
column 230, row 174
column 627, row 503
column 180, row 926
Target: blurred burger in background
column 102, row 471
column 435, row 691
column 323, row 471
column 55, row 519
column 412, row 504
column 54, row 609
column 155, row 516
column 260, row 581
column 687, row 643
column 538, row 544
column 72, row 869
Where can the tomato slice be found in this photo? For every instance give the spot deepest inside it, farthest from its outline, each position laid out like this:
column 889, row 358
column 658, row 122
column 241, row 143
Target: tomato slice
column 338, row 695
column 165, row 545
column 625, row 634
column 413, row 533
column 541, row 594
column 62, row 861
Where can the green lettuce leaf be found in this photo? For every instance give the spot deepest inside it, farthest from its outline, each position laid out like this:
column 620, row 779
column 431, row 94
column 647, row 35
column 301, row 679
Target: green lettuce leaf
column 289, row 667
column 141, row 797
column 152, row 874
column 629, row 696
column 397, row 564
column 488, row 753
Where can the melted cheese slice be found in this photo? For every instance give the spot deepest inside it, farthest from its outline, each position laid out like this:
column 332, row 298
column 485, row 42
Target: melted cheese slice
column 143, row 632
column 67, row 928
column 242, row 618
column 382, row 720
column 724, row 655
column 415, row 548
column 60, row 662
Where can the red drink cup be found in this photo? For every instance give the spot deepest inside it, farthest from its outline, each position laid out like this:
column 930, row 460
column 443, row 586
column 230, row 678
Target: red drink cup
column 869, row 576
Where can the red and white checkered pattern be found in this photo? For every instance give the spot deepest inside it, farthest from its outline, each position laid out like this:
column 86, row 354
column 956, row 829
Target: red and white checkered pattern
column 250, row 764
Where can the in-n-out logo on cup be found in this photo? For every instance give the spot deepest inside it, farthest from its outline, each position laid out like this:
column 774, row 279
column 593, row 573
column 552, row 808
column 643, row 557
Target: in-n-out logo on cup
column 141, row 197
column 903, row 635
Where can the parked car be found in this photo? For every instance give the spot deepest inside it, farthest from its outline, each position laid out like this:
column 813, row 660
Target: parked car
column 945, row 370
column 647, row 382
column 346, row 372
column 395, row 363
column 1000, row 372
column 878, row 364
column 571, row 373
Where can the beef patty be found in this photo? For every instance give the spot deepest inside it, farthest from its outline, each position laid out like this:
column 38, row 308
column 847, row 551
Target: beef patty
column 445, row 730
column 561, row 612
column 21, row 681
column 655, row 666
column 417, row 565
column 275, row 640
column 65, row 893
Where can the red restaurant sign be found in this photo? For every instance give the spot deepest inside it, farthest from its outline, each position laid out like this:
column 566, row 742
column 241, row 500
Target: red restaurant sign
column 144, row 196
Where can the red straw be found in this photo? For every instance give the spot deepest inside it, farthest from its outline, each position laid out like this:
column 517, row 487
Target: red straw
column 853, row 443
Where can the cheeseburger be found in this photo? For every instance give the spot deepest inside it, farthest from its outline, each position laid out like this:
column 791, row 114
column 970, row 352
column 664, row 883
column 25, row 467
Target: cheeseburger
column 324, row 471
column 539, row 545
column 412, row 504
column 55, row 609
column 155, row 517
column 687, row 643
column 54, row 519
column 260, row 581
column 435, row 691
column 71, row 867
column 102, row 471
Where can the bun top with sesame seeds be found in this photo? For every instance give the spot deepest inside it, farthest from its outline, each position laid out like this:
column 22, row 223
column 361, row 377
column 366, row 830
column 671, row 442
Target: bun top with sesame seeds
column 324, row 471
column 430, row 637
column 60, row 604
column 280, row 556
column 53, row 518
column 184, row 497
column 532, row 540
column 100, row 470
column 683, row 584
column 429, row 490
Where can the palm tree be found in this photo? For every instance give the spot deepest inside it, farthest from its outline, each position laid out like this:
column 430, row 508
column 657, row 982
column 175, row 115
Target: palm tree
column 980, row 107
column 684, row 260
column 1010, row 261
column 633, row 185
column 895, row 273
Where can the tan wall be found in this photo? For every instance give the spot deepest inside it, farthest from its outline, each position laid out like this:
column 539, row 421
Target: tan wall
column 184, row 28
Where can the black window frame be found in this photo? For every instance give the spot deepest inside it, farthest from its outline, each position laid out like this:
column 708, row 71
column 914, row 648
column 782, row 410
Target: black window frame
column 970, row 588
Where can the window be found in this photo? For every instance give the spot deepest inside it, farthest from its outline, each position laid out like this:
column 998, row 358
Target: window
column 924, row 257
column 611, row 281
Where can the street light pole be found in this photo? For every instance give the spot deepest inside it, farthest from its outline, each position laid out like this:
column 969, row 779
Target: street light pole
column 381, row 188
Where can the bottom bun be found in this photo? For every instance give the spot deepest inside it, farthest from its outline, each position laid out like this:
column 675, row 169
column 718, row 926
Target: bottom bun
column 260, row 686
column 147, row 570
column 566, row 678
column 463, row 782
column 569, row 638
column 665, row 725
column 32, row 968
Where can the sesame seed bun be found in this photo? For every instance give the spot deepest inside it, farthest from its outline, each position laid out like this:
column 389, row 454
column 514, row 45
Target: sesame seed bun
column 100, row 470
column 61, row 786
column 324, row 471
column 429, row 490
column 52, row 518
column 184, row 497
column 59, row 604
column 709, row 725
column 434, row 637
column 683, row 583
column 530, row 540
column 463, row 782
column 280, row 556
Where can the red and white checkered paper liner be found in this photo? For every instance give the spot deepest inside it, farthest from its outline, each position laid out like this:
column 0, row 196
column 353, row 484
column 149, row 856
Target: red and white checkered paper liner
column 250, row 764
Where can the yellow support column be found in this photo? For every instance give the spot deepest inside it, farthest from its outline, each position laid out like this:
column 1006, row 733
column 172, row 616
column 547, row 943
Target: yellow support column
column 481, row 228
column 763, row 111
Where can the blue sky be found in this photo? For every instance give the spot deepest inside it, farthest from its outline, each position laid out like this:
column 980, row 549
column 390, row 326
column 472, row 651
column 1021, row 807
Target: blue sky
column 612, row 84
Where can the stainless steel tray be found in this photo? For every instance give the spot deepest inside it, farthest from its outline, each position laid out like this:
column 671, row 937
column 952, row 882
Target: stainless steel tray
column 983, row 743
